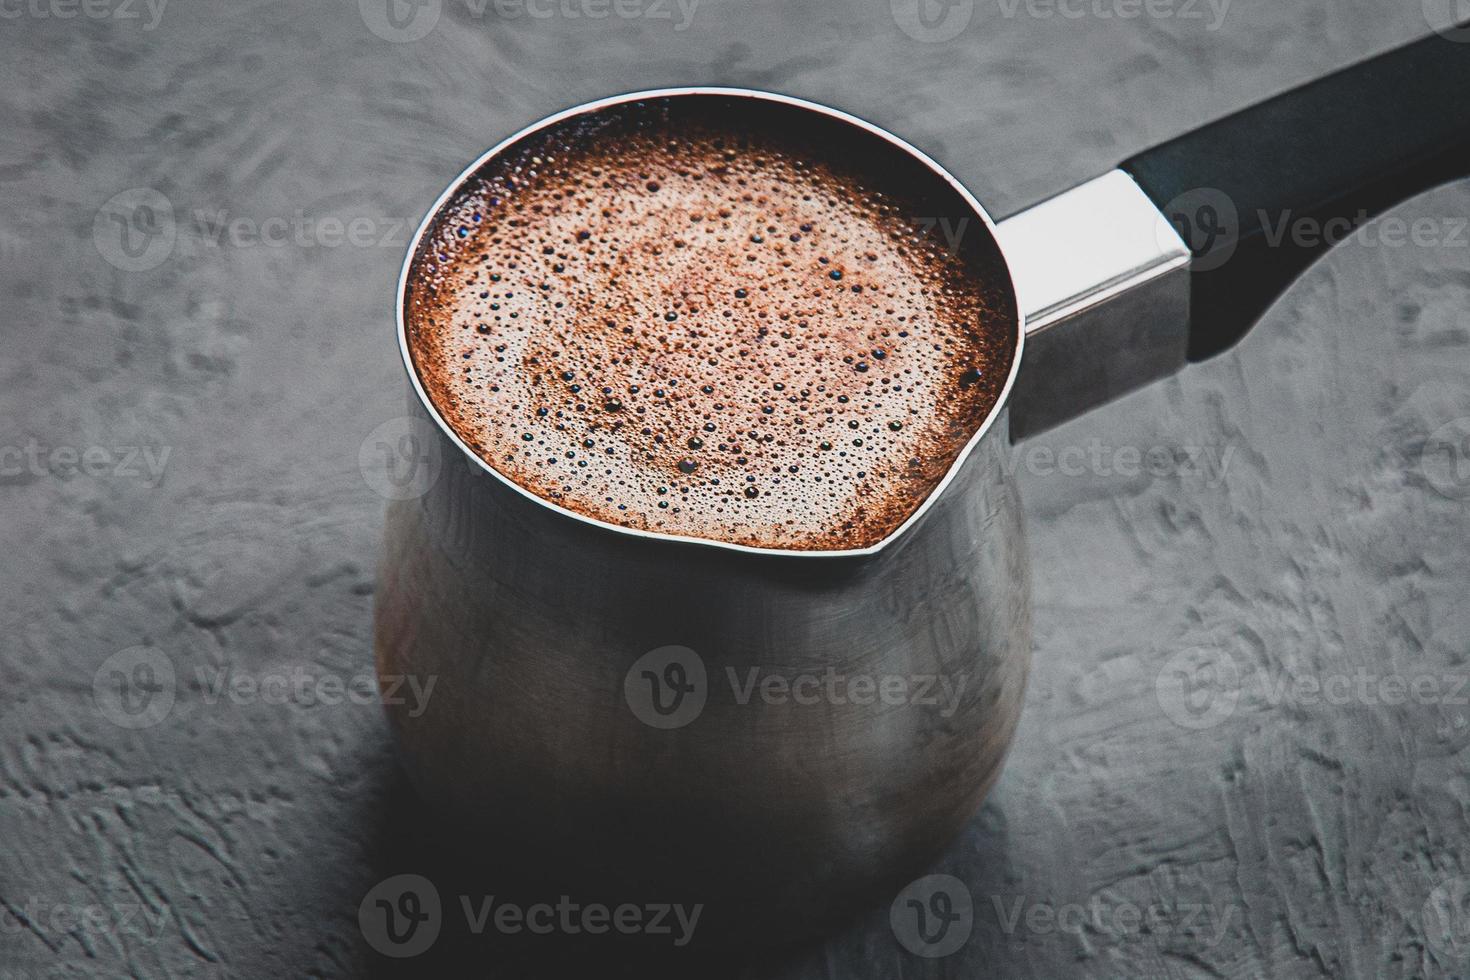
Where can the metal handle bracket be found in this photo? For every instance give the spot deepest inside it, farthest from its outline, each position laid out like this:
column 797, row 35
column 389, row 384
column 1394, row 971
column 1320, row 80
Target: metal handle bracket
column 1103, row 282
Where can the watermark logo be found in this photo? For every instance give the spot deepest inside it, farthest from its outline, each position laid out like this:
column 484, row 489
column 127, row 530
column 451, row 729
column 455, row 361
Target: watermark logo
column 932, row 21
column 1445, row 459
column 135, row 688
column 1446, row 918
column 1208, row 222
column 401, row 459
column 1198, row 688
column 400, row 20
column 401, row 916
column 667, row 687
column 950, row 231
column 933, row 916
column 1450, row 18
column 135, row 230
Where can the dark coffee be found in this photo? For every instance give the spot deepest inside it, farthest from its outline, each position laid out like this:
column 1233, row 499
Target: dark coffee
column 675, row 322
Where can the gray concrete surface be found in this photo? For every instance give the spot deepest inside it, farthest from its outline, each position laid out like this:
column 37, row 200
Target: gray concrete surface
column 1297, row 823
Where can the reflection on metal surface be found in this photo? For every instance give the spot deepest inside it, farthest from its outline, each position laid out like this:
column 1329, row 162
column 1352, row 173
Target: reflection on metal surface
column 1103, row 283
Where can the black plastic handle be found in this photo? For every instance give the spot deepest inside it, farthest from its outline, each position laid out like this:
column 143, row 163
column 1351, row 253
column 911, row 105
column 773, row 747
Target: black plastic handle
column 1260, row 194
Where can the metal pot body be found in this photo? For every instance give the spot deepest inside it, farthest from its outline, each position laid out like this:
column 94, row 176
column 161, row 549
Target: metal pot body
column 777, row 737
column 652, row 720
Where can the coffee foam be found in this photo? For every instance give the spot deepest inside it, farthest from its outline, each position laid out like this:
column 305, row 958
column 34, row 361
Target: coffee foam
column 660, row 321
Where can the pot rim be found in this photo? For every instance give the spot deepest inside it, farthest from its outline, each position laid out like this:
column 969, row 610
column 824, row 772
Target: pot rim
column 455, row 186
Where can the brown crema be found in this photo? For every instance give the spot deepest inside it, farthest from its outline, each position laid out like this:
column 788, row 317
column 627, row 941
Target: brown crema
column 660, row 321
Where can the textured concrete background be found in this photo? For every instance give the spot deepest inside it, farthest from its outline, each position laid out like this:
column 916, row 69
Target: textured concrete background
column 1260, row 830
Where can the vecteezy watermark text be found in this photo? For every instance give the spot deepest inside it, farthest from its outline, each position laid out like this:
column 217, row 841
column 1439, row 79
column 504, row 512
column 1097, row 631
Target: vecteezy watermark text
column 1211, row 11
column 150, row 12
column 222, row 229
column 934, row 916
column 1392, row 231
column 933, row 21
column 1210, row 224
column 835, row 688
column 298, row 685
column 668, row 688
column 34, row 458
column 1118, row 919
column 680, row 12
column 1097, row 458
column 1200, row 688
column 139, row 687
column 570, row 917
column 411, row 20
column 403, row 915
column 219, row 228
column 56, row 919
column 137, row 229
